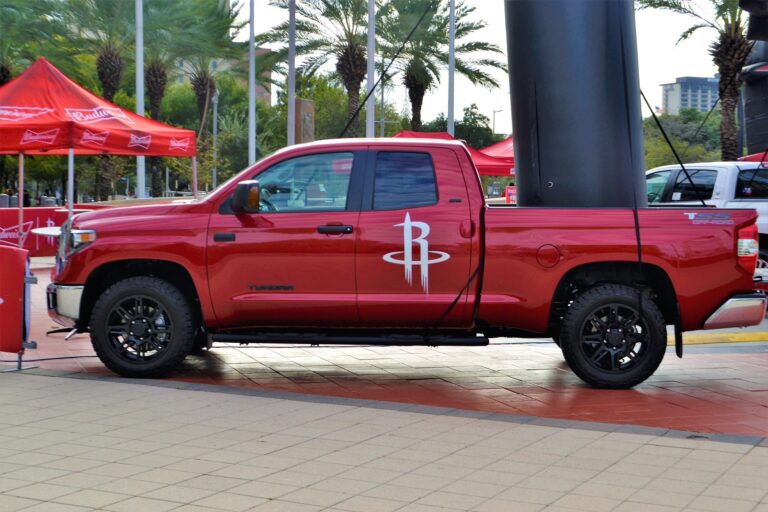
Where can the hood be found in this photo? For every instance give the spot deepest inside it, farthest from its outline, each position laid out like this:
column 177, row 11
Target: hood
column 106, row 215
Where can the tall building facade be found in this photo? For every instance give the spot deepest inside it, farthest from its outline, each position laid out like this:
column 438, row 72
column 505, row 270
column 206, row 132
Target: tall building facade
column 686, row 92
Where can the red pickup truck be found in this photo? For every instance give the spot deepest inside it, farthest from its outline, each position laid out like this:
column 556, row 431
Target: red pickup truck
column 390, row 242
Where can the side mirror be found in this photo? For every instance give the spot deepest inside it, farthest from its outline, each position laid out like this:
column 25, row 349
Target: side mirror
column 246, row 197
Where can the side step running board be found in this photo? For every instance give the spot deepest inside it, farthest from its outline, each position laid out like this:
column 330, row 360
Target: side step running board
column 318, row 339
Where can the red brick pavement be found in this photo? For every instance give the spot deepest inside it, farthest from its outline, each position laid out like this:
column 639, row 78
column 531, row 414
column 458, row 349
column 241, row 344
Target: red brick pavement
column 713, row 391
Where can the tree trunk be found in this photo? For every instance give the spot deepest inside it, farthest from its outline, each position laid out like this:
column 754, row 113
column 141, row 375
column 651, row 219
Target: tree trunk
column 729, row 52
column 728, row 128
column 103, row 177
column 109, row 68
column 352, row 66
column 353, row 103
column 416, row 92
column 416, row 95
column 157, row 79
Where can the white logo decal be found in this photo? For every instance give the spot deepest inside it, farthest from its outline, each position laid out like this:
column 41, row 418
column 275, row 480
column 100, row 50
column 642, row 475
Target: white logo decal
column 12, row 233
column 181, row 144
column 10, row 113
column 94, row 115
column 46, row 137
column 142, row 142
column 424, row 260
column 98, row 138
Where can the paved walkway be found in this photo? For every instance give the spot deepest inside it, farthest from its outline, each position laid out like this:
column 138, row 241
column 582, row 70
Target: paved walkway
column 721, row 389
column 71, row 444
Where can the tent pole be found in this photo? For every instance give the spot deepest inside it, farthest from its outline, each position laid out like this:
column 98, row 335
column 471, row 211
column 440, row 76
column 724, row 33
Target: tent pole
column 21, row 199
column 70, row 183
column 194, row 176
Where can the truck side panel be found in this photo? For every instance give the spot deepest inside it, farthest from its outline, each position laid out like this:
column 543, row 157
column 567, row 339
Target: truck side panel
column 529, row 251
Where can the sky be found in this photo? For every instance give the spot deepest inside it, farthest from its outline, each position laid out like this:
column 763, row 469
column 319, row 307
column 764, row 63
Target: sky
column 661, row 59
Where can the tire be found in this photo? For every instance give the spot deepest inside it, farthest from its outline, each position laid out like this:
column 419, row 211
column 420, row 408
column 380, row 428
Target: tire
column 606, row 343
column 142, row 327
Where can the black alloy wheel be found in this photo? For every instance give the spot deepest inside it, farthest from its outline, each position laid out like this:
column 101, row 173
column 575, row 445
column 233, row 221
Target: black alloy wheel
column 139, row 328
column 610, row 340
column 142, row 327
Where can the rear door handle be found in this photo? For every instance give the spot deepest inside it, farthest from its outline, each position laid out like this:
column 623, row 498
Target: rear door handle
column 335, row 230
column 223, row 237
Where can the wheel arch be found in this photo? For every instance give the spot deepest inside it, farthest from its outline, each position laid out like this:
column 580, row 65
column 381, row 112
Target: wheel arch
column 651, row 278
column 110, row 273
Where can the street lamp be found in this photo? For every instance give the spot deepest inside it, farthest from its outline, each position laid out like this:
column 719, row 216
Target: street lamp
column 494, row 120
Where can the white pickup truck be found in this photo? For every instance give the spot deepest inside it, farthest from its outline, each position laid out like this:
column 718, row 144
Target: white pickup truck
column 719, row 184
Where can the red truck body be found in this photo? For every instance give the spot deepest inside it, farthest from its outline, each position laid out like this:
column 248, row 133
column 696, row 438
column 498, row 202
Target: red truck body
column 455, row 264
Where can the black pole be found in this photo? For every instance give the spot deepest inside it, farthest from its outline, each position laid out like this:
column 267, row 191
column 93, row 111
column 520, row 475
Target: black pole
column 576, row 103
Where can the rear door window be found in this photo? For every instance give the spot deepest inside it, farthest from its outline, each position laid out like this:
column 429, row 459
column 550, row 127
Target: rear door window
column 752, row 184
column 702, row 187
column 404, row 180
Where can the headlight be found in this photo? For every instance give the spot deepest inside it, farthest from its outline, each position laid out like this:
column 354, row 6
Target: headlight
column 81, row 237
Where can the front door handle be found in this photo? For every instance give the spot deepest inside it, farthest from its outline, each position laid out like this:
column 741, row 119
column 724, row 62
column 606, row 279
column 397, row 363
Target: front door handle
column 334, row 230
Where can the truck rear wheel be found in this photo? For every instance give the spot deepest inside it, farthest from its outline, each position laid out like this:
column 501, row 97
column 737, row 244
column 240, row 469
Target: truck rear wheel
column 142, row 327
column 607, row 343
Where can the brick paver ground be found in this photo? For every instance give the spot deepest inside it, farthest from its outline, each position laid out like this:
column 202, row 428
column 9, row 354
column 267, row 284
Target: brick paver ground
column 715, row 389
column 76, row 444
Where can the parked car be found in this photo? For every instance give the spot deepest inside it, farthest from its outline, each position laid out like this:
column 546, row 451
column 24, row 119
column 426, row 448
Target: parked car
column 719, row 184
column 390, row 242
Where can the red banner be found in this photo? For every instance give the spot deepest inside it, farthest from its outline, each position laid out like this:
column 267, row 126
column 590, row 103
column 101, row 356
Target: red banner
column 35, row 218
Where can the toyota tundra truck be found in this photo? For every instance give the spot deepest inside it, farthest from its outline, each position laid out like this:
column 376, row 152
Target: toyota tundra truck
column 390, row 242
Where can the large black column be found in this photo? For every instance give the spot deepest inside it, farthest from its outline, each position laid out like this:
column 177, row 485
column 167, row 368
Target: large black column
column 575, row 103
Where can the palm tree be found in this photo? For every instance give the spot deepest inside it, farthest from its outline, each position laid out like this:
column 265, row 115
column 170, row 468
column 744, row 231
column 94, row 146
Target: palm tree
column 104, row 28
column 28, row 29
column 426, row 53
column 729, row 51
column 170, row 28
column 211, row 42
column 330, row 29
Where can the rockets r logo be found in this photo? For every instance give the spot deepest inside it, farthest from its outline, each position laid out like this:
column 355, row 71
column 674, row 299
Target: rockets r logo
column 424, row 254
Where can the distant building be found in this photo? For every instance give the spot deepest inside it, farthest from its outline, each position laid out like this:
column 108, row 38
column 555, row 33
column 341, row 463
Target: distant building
column 686, row 92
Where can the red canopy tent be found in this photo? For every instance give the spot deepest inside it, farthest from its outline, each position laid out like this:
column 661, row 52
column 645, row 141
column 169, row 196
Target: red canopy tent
column 42, row 112
column 503, row 149
column 486, row 165
column 755, row 157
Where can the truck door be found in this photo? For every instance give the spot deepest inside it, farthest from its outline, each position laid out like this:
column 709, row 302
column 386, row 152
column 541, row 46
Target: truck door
column 293, row 263
column 414, row 253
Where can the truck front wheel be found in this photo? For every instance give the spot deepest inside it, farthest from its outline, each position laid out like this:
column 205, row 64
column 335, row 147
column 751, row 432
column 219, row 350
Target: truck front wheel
column 142, row 327
column 612, row 340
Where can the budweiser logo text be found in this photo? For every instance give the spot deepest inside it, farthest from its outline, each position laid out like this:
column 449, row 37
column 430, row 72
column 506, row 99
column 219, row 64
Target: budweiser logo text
column 95, row 115
column 11, row 113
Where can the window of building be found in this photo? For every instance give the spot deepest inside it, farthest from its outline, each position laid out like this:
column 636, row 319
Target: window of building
column 752, row 184
column 702, row 187
column 404, row 180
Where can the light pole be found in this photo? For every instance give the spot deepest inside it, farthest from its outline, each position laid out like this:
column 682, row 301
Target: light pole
column 494, row 120
column 251, row 91
column 451, row 66
column 291, row 72
column 215, row 135
column 370, row 106
column 140, row 164
column 382, row 113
